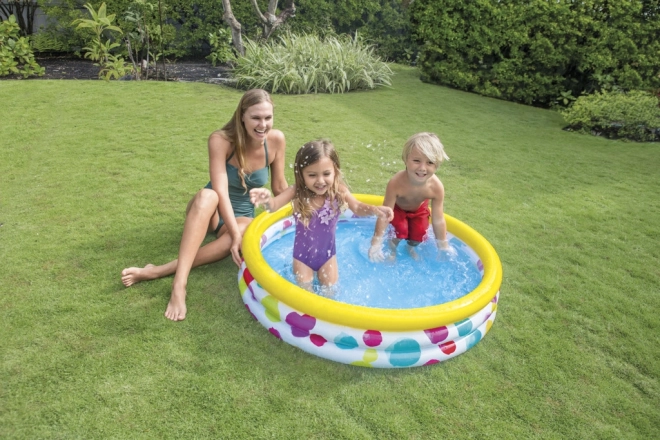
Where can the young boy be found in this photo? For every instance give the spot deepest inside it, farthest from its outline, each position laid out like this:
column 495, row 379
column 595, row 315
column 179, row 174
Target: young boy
column 408, row 193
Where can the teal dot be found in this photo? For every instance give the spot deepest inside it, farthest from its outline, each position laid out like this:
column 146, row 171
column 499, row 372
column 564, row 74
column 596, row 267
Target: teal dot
column 346, row 342
column 473, row 339
column 464, row 327
column 404, row 353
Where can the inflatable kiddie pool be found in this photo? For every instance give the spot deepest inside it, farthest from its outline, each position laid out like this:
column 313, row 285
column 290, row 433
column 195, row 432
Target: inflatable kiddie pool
column 366, row 336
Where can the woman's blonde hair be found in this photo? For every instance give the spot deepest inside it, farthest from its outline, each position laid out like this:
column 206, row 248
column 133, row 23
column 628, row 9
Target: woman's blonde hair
column 234, row 130
column 428, row 144
column 309, row 154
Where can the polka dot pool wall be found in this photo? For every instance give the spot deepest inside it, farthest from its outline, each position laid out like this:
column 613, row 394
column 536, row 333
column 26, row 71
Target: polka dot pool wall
column 361, row 347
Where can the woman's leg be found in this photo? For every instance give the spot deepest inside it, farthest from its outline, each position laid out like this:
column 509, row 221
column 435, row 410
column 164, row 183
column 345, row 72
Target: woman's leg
column 197, row 224
column 206, row 222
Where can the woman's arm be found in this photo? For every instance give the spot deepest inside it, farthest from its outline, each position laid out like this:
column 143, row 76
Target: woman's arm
column 277, row 148
column 219, row 150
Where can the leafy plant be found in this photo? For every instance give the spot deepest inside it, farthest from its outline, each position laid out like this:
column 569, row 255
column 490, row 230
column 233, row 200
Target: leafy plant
column 99, row 49
column 16, row 56
column 633, row 115
column 566, row 98
column 147, row 36
column 221, row 47
column 309, row 64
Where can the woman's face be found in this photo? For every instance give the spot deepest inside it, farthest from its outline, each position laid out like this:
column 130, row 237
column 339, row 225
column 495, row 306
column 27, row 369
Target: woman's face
column 258, row 120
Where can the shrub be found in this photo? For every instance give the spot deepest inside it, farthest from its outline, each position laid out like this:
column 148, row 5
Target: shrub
column 634, row 115
column 533, row 51
column 309, row 64
column 16, row 56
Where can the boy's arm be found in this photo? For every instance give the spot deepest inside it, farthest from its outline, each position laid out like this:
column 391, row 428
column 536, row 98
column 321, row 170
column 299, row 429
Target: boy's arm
column 262, row 197
column 438, row 218
column 381, row 224
column 376, row 249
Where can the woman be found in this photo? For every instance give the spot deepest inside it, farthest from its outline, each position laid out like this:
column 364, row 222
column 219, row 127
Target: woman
column 240, row 156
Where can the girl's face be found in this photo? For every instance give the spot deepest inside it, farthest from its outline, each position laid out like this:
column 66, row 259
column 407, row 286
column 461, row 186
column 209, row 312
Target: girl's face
column 258, row 120
column 419, row 167
column 319, row 176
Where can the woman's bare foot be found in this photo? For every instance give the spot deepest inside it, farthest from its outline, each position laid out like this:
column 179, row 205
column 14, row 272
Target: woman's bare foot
column 176, row 308
column 132, row 275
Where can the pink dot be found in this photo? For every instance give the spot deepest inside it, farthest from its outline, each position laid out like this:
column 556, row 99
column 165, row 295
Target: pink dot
column 317, row 340
column 432, row 361
column 372, row 338
column 274, row 332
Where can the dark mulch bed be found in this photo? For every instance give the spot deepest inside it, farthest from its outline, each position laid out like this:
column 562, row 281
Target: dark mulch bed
column 66, row 67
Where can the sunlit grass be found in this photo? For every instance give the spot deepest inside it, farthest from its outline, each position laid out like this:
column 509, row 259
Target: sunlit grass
column 95, row 177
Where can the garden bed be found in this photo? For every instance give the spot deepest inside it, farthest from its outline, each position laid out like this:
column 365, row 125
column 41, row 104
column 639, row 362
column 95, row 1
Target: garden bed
column 66, row 67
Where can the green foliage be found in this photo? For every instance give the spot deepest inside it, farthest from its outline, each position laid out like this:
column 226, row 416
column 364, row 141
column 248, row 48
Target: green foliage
column 633, row 115
column 145, row 38
column 46, row 42
column 16, row 56
column 221, row 47
column 58, row 34
column 383, row 23
column 533, row 51
column 309, row 64
column 100, row 49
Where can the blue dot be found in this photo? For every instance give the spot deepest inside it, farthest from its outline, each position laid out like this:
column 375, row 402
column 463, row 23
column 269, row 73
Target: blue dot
column 473, row 339
column 346, row 342
column 404, row 353
column 464, row 327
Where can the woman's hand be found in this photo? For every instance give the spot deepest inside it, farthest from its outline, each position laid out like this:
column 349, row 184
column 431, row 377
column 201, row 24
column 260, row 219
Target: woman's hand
column 235, row 249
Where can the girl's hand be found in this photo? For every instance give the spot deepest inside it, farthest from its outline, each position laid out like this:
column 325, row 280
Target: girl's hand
column 385, row 212
column 260, row 197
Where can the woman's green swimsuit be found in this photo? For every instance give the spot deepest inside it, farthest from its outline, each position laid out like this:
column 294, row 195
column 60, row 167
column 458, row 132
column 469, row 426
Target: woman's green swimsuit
column 239, row 196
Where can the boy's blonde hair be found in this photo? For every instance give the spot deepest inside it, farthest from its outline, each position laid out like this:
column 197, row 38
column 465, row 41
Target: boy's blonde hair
column 428, row 144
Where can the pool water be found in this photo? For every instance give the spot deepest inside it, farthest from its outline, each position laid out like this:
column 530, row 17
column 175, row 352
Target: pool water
column 400, row 284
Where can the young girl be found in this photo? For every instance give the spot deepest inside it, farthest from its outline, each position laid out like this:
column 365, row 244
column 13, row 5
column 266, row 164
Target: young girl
column 318, row 197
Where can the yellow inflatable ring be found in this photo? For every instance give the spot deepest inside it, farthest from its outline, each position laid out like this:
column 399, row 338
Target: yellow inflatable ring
column 281, row 302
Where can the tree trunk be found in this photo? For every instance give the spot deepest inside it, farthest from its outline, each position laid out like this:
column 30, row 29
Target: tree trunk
column 235, row 26
column 269, row 21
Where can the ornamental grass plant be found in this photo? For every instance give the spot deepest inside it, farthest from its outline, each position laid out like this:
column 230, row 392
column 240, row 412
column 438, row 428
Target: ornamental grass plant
column 95, row 177
column 300, row 64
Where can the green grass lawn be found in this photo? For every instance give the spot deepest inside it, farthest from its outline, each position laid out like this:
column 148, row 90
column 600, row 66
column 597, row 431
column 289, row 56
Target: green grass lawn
column 95, row 177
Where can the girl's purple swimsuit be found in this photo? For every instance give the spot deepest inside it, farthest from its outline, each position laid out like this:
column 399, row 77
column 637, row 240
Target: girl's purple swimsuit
column 314, row 245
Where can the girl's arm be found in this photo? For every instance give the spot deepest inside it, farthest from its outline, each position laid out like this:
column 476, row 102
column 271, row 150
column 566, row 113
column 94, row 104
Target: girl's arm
column 262, row 197
column 364, row 209
column 277, row 147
